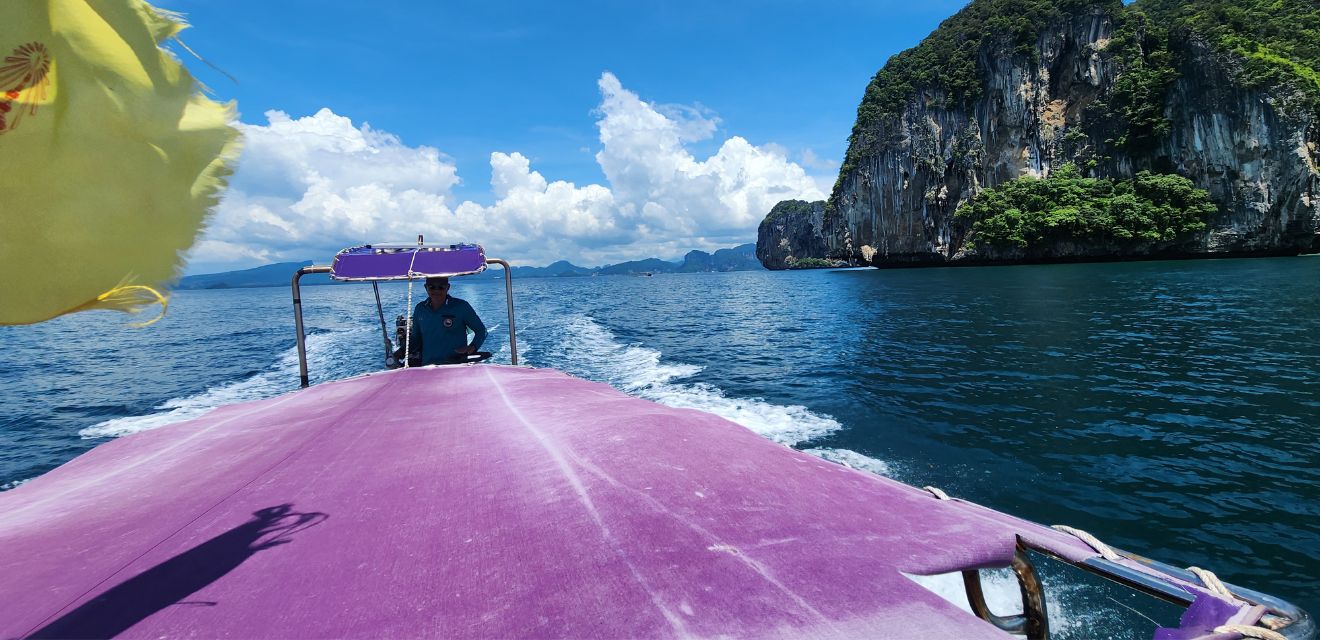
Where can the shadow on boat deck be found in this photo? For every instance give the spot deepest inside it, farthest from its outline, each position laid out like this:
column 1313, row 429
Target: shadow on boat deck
column 168, row 583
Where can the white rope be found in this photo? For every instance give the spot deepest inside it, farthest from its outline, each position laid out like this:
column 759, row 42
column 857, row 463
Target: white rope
column 1250, row 632
column 407, row 325
column 1094, row 542
column 407, row 336
column 937, row 492
column 1212, row 582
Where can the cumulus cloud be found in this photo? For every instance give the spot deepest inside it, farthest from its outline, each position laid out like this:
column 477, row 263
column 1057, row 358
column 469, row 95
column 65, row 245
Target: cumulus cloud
column 309, row 186
column 813, row 161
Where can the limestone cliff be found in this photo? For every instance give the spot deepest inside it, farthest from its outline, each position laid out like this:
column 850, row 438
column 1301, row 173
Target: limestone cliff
column 793, row 231
column 1079, row 82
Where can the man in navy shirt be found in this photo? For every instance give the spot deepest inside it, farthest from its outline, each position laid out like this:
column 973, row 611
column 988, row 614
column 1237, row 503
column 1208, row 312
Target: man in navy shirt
column 440, row 325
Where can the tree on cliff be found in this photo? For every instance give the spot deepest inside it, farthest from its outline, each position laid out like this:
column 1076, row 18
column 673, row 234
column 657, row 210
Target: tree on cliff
column 1029, row 215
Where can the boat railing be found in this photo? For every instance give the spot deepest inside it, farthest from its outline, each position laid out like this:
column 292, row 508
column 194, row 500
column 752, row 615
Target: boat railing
column 508, row 298
column 1280, row 617
column 298, row 319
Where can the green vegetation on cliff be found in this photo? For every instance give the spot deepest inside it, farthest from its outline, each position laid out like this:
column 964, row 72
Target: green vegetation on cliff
column 811, row 263
column 1030, row 213
column 1136, row 100
column 787, row 208
column 1279, row 40
column 947, row 58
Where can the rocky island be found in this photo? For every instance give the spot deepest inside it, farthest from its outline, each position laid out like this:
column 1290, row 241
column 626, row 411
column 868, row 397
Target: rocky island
column 1061, row 130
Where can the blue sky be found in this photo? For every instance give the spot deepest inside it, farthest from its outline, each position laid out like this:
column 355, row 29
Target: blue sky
column 611, row 130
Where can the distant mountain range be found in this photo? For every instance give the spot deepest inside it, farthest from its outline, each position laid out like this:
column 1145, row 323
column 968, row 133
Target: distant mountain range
column 739, row 258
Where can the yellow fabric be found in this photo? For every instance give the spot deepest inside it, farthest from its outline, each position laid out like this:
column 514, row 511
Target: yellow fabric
column 129, row 298
column 109, row 156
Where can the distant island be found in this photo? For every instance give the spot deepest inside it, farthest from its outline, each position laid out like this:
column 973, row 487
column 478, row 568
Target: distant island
column 739, row 258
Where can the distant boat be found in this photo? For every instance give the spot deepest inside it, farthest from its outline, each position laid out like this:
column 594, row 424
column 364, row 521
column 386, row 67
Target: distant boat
column 508, row 501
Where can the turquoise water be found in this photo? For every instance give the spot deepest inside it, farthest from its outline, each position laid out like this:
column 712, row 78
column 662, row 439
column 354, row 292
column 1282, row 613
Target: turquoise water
column 1170, row 408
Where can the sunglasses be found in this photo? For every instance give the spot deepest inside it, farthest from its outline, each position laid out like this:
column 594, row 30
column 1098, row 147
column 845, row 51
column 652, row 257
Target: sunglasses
column 436, row 287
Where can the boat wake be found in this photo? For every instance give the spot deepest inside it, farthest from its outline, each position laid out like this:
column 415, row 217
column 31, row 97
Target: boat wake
column 326, row 352
column 588, row 350
column 849, row 458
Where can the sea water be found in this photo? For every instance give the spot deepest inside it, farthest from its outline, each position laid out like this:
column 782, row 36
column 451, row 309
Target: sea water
column 1170, row 408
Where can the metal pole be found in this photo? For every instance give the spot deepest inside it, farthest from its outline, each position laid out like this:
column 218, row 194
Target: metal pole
column 383, row 331
column 1033, row 594
column 508, row 296
column 298, row 321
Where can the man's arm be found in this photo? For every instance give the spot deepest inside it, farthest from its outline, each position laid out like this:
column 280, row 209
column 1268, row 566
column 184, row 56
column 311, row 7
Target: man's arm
column 478, row 329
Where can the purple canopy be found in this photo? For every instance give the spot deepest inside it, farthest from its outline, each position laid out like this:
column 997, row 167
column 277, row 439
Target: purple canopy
column 482, row 501
column 403, row 262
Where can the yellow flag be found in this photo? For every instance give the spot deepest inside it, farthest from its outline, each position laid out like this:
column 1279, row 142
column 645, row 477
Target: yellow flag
column 109, row 156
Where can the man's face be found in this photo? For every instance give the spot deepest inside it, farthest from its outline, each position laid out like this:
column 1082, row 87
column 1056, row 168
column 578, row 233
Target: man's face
column 437, row 289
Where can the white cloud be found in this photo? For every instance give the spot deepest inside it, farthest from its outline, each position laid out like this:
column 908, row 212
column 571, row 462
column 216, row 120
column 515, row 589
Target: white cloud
column 309, row 186
column 694, row 122
column 825, row 169
column 813, row 161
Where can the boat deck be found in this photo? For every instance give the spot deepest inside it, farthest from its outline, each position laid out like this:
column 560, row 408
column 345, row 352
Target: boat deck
column 482, row 501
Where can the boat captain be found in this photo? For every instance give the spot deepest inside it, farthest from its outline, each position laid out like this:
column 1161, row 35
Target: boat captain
column 441, row 323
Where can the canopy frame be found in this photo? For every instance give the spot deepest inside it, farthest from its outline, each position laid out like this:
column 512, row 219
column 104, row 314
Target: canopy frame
column 355, row 265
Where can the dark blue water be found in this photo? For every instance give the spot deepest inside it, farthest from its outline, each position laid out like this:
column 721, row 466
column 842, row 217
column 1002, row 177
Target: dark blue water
column 1170, row 408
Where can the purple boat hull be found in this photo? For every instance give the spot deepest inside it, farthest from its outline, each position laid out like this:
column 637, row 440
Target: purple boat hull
column 481, row 501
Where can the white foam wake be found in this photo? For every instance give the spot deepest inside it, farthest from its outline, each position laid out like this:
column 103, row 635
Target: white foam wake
column 593, row 352
column 323, row 354
column 1000, row 587
column 1004, row 597
column 854, row 460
